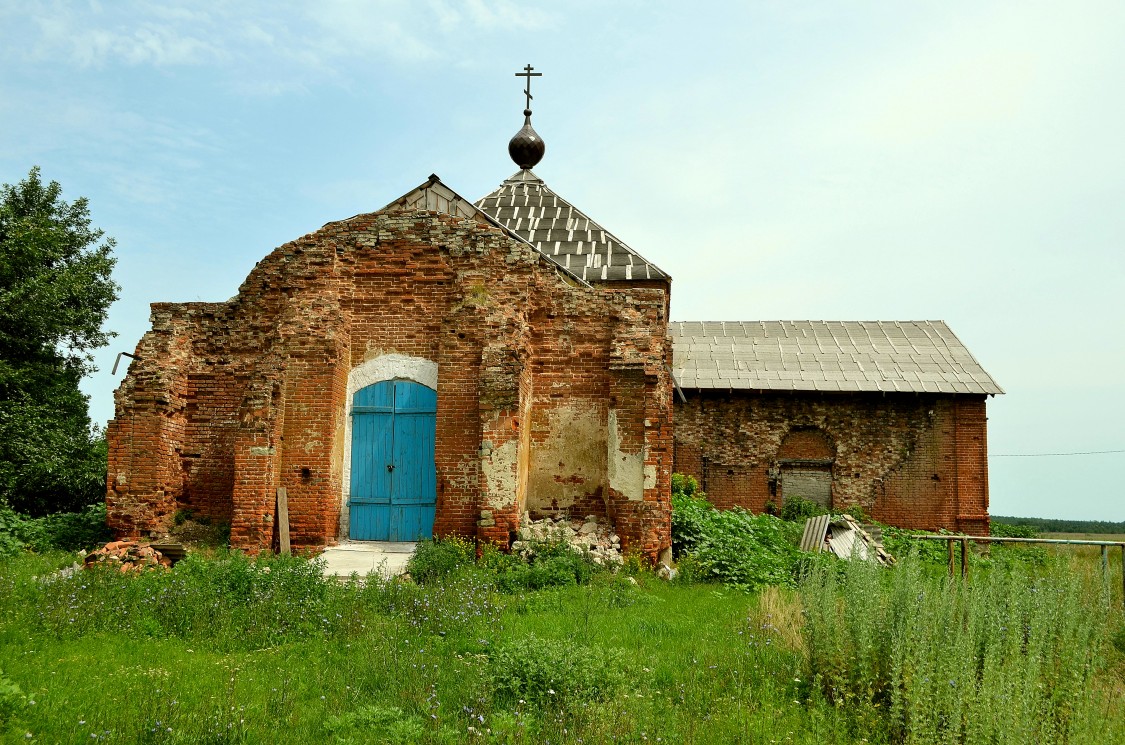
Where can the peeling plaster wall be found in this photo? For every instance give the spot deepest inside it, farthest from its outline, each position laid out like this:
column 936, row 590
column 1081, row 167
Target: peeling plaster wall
column 501, row 474
column 626, row 470
column 568, row 458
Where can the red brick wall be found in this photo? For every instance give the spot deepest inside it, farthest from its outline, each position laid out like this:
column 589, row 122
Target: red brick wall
column 915, row 461
column 231, row 400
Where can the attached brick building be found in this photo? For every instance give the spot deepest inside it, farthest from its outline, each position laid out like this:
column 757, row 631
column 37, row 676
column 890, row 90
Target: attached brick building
column 439, row 367
column 888, row 416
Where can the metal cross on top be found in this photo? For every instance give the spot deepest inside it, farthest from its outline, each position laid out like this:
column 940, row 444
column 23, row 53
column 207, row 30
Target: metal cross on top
column 527, row 73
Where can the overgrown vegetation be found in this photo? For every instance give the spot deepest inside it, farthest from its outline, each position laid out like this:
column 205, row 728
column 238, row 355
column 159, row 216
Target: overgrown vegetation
column 234, row 649
column 1009, row 657
column 774, row 646
column 67, row 531
column 1008, row 530
column 539, row 565
column 798, row 509
column 735, row 547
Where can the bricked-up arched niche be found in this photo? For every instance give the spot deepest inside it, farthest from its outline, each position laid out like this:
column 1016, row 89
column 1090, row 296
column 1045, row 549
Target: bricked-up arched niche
column 377, row 370
column 803, row 466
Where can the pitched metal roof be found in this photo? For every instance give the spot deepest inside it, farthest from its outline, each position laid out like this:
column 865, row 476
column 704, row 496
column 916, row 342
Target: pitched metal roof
column 890, row 356
column 559, row 230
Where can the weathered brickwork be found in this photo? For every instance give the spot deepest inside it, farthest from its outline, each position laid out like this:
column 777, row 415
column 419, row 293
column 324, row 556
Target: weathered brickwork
column 914, row 461
column 552, row 396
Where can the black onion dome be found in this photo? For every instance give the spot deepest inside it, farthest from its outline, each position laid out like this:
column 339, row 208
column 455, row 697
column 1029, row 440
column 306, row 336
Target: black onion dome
column 527, row 147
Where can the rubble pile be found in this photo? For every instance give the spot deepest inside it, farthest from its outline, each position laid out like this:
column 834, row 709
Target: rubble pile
column 593, row 536
column 128, row 556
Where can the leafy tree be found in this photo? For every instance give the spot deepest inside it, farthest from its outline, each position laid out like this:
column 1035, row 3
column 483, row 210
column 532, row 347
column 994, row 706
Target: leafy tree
column 55, row 291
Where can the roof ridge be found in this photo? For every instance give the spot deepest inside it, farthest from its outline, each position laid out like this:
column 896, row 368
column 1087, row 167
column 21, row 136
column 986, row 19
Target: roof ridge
column 590, row 238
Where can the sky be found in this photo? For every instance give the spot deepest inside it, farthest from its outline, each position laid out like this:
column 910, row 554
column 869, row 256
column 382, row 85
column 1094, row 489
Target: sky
column 860, row 160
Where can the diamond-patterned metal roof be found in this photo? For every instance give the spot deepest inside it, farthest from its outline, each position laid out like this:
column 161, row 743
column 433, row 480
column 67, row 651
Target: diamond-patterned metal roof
column 559, row 230
column 890, row 356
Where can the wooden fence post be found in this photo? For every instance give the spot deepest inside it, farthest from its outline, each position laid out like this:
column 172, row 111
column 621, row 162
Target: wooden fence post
column 283, row 518
column 964, row 557
column 949, row 550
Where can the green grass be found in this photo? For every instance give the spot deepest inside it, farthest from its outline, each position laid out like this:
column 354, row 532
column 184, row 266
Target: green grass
column 224, row 651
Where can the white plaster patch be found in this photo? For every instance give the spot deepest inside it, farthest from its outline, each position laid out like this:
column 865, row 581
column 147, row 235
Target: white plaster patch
column 500, row 475
column 650, row 477
column 570, row 462
column 369, row 372
column 626, row 470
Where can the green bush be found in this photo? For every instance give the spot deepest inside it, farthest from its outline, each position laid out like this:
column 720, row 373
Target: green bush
column 554, row 673
column 691, row 516
column 12, row 700
column 13, row 531
column 433, row 560
column 734, row 547
column 1005, row 530
column 798, row 509
column 901, row 543
column 686, row 485
column 70, row 531
column 63, row 531
column 540, row 564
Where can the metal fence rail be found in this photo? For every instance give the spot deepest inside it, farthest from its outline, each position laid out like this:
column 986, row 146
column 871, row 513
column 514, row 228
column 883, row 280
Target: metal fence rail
column 964, row 541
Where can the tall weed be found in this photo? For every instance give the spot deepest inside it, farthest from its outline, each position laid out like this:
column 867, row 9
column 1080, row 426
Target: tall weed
column 1004, row 658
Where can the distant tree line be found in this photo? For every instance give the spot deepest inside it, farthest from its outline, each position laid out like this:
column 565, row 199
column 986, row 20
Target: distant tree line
column 1056, row 525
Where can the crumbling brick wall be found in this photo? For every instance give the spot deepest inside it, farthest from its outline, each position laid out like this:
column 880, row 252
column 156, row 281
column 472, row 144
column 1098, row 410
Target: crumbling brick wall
column 914, row 461
column 229, row 401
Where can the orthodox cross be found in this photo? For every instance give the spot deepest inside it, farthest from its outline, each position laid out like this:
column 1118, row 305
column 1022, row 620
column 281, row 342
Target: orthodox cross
column 527, row 73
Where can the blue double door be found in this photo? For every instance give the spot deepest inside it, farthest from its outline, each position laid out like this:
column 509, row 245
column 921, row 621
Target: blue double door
column 393, row 480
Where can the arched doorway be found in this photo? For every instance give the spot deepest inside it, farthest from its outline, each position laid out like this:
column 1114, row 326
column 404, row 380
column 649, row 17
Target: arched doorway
column 393, row 484
column 805, row 460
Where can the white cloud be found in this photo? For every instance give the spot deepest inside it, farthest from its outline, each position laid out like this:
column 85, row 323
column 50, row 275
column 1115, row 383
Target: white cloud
column 90, row 44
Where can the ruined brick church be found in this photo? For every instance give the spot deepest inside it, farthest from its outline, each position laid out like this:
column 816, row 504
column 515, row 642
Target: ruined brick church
column 442, row 366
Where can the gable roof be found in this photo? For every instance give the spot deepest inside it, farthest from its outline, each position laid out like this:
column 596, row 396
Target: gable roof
column 560, row 231
column 435, row 196
column 890, row 356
